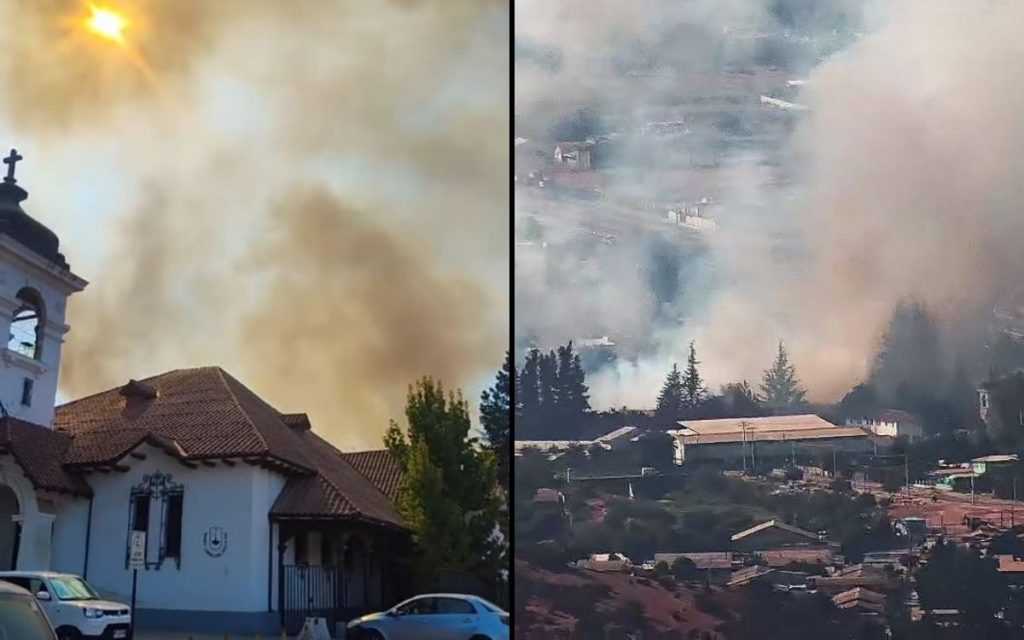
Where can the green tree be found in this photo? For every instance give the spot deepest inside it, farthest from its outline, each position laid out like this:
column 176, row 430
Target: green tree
column 449, row 494
column 528, row 397
column 684, row 569
column 548, row 390
column 860, row 402
column 779, row 385
column 693, row 387
column 740, row 400
column 955, row 578
column 571, row 396
column 495, row 416
column 671, row 400
column 908, row 366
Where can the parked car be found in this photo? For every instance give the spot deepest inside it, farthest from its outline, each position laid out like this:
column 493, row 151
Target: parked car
column 21, row 617
column 74, row 608
column 437, row 616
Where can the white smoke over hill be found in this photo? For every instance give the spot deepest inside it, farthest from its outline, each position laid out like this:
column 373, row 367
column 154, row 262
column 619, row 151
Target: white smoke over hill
column 906, row 183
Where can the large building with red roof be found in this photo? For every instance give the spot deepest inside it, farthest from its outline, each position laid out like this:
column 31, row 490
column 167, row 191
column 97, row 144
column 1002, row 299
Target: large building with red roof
column 251, row 519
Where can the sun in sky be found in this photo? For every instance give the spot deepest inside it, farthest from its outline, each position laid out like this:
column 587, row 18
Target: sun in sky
column 106, row 23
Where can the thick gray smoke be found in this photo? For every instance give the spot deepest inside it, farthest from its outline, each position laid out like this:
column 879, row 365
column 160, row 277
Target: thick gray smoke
column 312, row 195
column 901, row 180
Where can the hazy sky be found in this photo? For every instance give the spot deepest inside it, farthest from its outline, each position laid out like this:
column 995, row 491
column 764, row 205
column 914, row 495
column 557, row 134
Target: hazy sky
column 313, row 197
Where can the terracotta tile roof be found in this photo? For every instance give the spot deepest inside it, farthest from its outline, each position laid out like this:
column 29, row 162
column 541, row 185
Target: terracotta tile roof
column 201, row 413
column 338, row 490
column 379, row 467
column 39, row 451
column 205, row 413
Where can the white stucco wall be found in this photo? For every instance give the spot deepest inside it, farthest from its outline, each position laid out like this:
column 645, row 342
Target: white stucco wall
column 69, row 534
column 236, row 499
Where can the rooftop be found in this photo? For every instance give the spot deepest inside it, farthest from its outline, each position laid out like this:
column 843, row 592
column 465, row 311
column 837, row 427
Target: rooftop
column 776, row 524
column 798, row 427
column 1009, row 564
column 702, row 560
column 997, row 458
column 205, row 414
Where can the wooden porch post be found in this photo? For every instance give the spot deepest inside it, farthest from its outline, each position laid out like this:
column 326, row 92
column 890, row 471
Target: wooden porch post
column 282, row 545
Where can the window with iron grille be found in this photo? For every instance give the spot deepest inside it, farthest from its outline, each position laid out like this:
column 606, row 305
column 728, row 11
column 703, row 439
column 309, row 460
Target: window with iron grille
column 157, row 493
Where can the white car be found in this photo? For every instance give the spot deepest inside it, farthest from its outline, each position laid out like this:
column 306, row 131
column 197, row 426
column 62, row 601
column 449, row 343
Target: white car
column 74, row 608
column 434, row 616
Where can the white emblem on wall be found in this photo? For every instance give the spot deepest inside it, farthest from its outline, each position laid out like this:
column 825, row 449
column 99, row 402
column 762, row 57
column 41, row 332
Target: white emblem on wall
column 215, row 542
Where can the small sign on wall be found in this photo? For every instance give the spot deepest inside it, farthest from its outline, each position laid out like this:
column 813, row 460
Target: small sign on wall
column 137, row 553
column 215, row 542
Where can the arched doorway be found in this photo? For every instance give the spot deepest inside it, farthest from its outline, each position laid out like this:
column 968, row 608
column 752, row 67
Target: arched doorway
column 8, row 529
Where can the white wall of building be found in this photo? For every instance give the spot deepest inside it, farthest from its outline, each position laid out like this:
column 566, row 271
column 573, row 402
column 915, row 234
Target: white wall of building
column 236, row 499
column 70, row 529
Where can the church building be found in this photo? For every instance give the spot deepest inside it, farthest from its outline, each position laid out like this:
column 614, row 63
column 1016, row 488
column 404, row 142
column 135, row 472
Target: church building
column 252, row 520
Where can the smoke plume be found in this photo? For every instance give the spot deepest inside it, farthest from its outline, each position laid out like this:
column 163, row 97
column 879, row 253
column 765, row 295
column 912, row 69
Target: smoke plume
column 904, row 183
column 311, row 195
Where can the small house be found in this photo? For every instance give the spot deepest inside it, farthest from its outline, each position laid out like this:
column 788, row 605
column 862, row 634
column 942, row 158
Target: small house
column 890, row 423
column 1012, row 569
column 575, row 155
column 716, row 566
column 612, row 562
column 860, row 598
column 775, row 535
column 984, row 464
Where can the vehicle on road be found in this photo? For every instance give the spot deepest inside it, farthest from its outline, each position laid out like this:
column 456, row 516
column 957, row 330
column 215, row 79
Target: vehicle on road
column 74, row 608
column 437, row 616
column 21, row 617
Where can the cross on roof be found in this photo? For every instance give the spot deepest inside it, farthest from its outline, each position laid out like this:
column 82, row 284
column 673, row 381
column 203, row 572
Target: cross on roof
column 10, row 161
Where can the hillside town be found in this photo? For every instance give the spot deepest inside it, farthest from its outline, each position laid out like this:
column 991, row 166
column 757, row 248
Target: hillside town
column 853, row 517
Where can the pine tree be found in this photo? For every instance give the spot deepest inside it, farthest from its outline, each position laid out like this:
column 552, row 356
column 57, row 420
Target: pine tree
column 571, row 393
column 740, row 400
column 693, row 386
column 908, row 365
column 495, row 415
column 548, row 390
column 671, row 402
column 528, row 397
column 448, row 495
column 779, row 385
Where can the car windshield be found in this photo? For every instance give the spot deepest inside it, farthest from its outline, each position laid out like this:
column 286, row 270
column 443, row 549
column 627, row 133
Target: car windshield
column 22, row 619
column 71, row 588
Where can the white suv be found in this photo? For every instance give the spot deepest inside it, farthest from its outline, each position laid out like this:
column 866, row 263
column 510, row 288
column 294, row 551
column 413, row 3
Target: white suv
column 75, row 610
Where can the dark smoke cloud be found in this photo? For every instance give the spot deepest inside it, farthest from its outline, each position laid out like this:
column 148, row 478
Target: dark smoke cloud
column 314, row 194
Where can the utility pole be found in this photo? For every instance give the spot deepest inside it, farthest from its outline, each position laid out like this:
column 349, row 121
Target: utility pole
column 906, row 473
column 1013, row 509
column 835, row 469
column 972, row 487
column 743, row 446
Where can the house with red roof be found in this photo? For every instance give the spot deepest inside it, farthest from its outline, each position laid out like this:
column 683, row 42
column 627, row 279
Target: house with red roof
column 250, row 519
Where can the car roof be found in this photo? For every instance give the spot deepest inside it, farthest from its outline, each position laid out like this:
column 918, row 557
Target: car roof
column 36, row 574
column 464, row 596
column 7, row 587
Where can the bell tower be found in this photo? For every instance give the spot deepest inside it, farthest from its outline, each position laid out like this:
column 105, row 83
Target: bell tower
column 35, row 282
